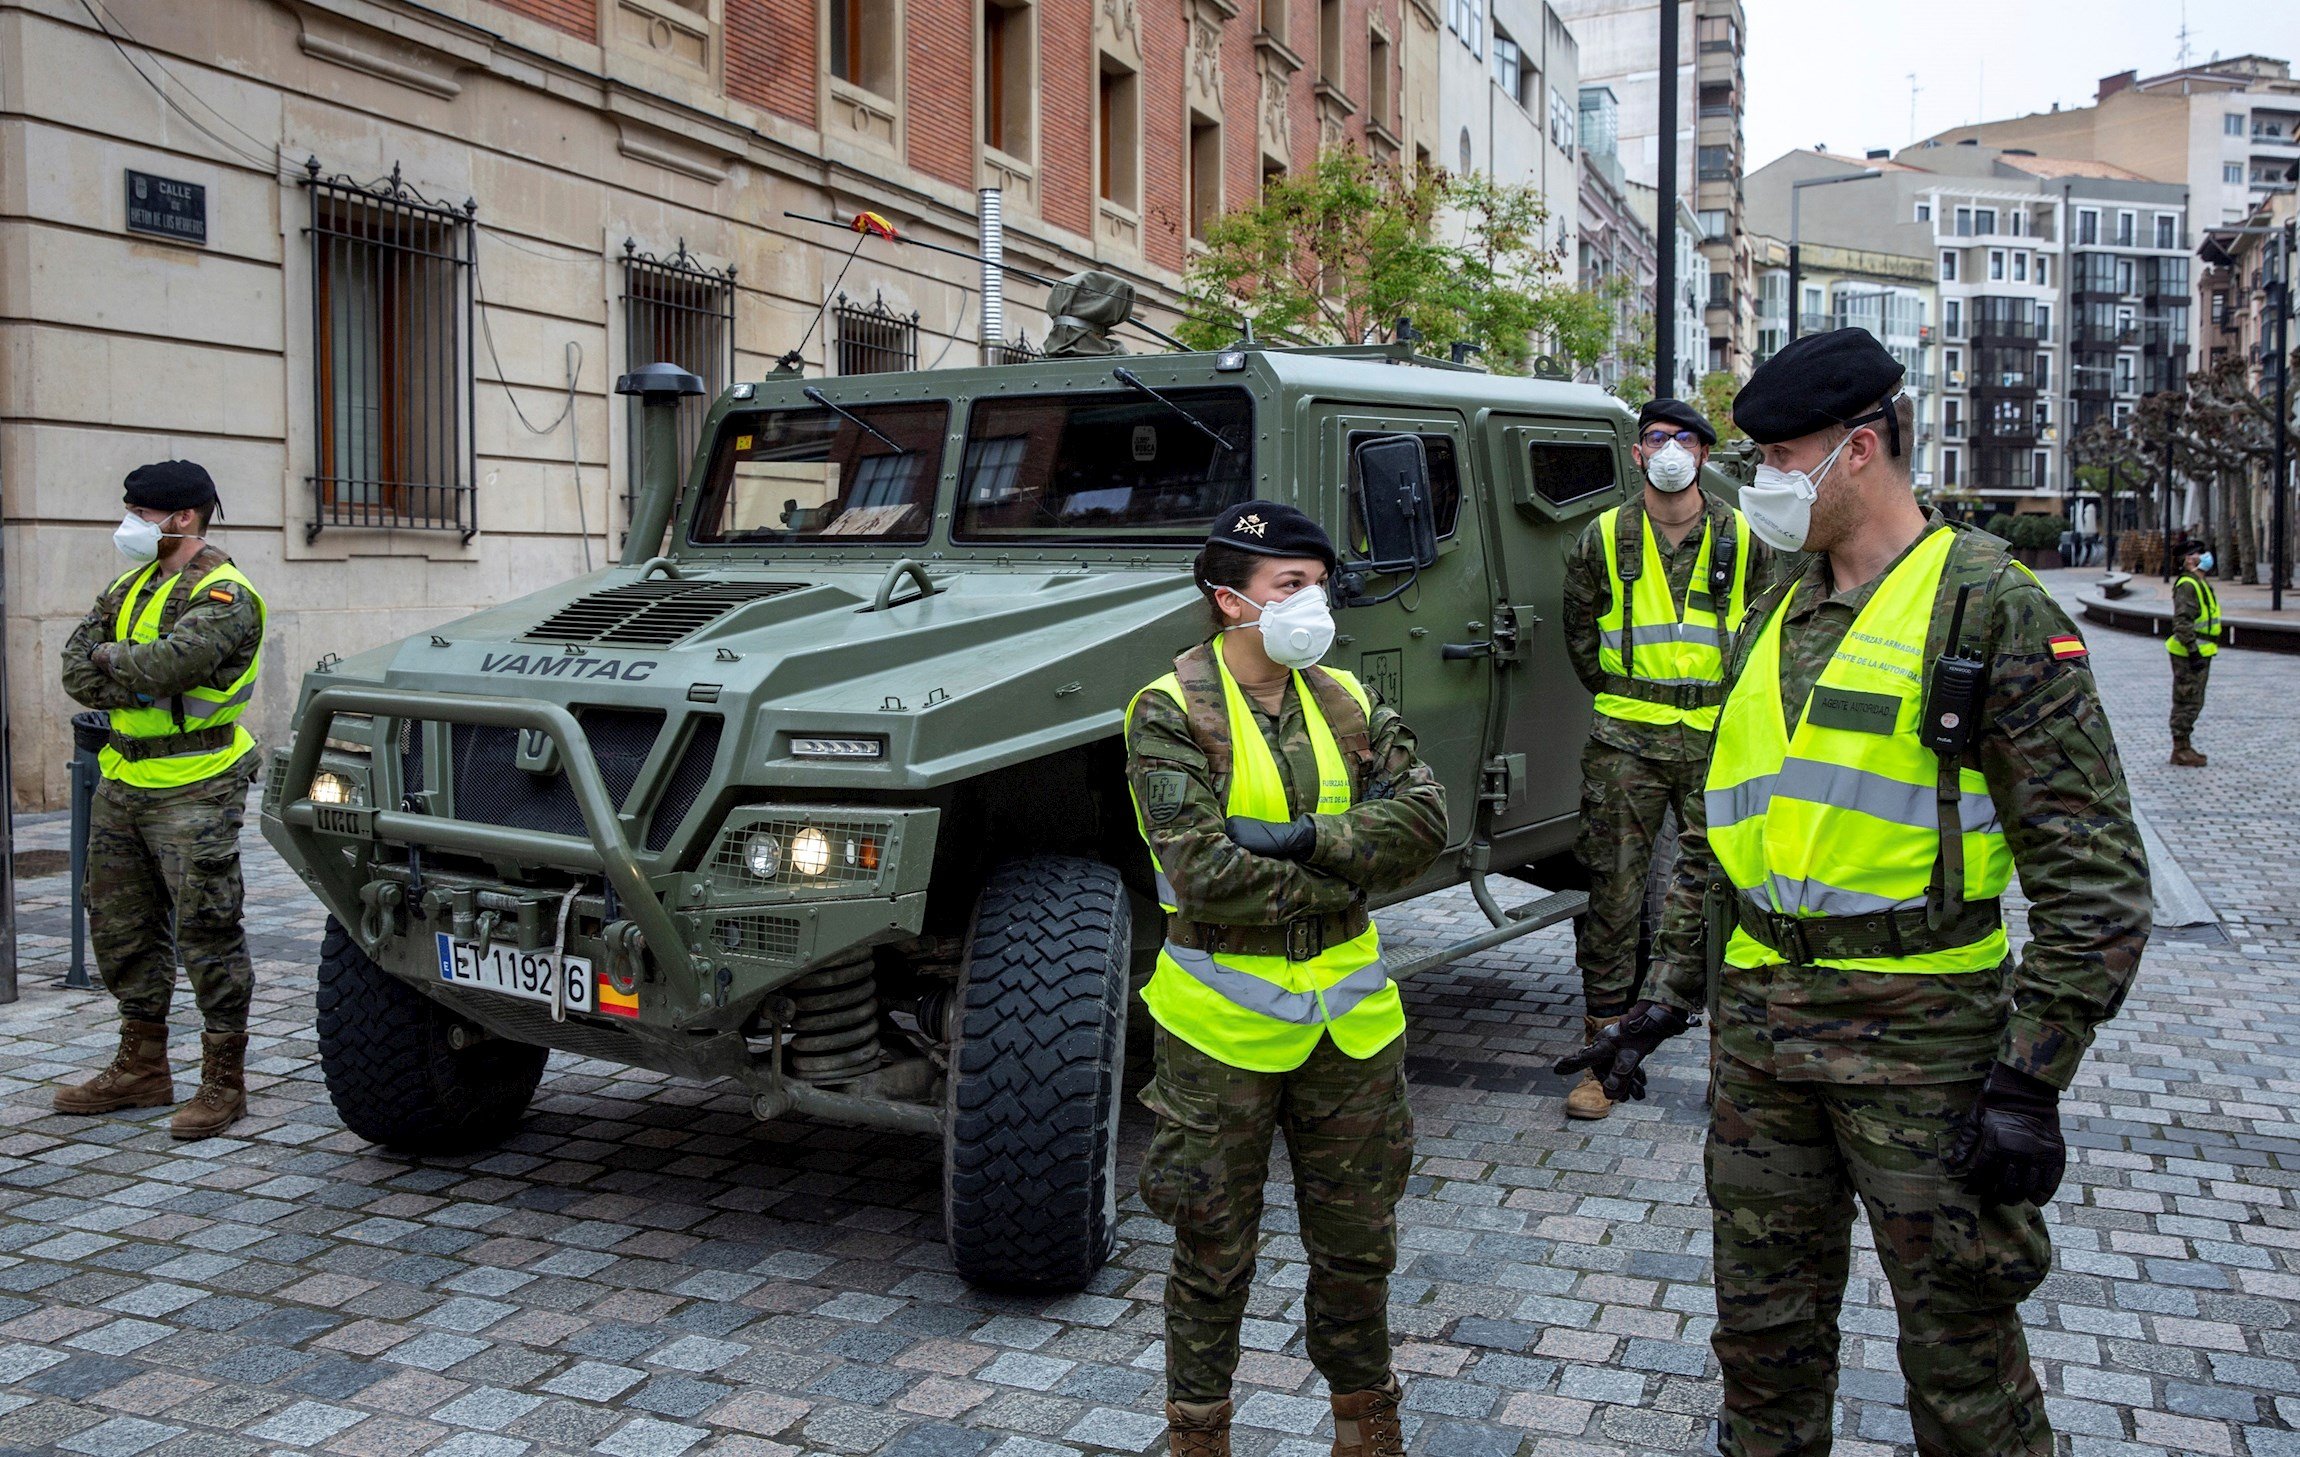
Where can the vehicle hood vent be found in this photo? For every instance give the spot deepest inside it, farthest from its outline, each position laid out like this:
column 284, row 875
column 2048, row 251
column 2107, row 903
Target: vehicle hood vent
column 650, row 614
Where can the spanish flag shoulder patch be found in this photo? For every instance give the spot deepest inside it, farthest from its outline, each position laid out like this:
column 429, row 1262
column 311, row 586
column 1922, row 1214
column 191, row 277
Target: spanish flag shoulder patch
column 614, row 1003
column 2067, row 645
column 221, row 594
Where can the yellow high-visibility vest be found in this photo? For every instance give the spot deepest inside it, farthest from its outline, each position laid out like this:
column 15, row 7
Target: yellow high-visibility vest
column 196, row 709
column 1267, row 1013
column 1843, row 817
column 2207, row 619
column 1668, row 665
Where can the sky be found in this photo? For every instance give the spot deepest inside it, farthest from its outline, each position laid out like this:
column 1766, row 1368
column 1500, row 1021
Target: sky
column 1836, row 73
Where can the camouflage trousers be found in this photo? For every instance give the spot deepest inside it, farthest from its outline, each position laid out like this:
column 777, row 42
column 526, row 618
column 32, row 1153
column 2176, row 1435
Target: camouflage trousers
column 1623, row 798
column 157, row 855
column 1349, row 1135
column 1785, row 1161
column 2189, row 676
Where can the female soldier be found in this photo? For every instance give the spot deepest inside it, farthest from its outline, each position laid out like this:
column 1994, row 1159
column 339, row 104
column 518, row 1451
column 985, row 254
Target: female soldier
column 1276, row 798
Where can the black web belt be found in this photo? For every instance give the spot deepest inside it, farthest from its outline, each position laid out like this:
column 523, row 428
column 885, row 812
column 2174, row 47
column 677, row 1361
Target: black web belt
column 1298, row 940
column 1804, row 940
column 167, row 746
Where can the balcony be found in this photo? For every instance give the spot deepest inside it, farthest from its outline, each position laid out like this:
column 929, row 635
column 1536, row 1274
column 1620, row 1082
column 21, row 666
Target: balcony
column 1998, row 331
column 2009, row 431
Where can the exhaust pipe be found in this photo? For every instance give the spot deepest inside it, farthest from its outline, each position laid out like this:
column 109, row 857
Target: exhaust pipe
column 992, row 226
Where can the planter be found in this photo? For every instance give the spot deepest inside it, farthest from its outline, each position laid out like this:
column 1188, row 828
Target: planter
column 2038, row 558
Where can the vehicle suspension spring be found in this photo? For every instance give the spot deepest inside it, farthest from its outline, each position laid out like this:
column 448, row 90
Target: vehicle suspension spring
column 834, row 1032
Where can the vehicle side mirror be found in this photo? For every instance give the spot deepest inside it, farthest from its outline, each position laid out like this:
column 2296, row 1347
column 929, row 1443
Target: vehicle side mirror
column 1393, row 473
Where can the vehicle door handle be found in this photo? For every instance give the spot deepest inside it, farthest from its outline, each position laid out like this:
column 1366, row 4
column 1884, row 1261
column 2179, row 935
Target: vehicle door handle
column 1456, row 651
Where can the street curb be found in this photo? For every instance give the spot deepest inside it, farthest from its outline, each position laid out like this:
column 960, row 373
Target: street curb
column 2269, row 637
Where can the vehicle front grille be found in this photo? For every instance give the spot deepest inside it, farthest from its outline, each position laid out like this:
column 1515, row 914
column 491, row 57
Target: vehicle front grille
column 771, row 938
column 650, row 614
column 411, row 756
column 688, row 777
column 492, row 788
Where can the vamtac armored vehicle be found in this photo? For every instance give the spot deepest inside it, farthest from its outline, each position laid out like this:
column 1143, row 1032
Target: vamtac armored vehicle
column 819, row 790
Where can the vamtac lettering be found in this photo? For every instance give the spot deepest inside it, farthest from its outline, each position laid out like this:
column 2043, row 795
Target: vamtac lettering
column 543, row 665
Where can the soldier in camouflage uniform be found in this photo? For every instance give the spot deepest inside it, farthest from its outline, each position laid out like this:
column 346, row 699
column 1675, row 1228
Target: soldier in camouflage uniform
column 1276, row 797
column 171, row 650
column 1897, row 1054
column 1645, row 757
column 2194, row 641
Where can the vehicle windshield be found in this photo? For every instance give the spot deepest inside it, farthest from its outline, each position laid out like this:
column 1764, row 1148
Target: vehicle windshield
column 796, row 475
column 1119, row 466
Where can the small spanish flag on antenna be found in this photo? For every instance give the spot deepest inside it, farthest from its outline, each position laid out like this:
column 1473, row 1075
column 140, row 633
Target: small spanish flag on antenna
column 871, row 223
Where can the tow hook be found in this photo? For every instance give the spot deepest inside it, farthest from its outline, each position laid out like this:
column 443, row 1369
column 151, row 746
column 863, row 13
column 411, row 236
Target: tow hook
column 483, row 928
column 382, row 919
column 626, row 955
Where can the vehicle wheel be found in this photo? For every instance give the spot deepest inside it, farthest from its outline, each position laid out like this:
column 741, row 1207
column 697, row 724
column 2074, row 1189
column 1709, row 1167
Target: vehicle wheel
column 1030, row 1142
column 393, row 1077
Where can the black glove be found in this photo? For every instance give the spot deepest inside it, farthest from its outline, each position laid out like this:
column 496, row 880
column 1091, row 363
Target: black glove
column 2008, row 1149
column 1615, row 1055
column 1276, row 839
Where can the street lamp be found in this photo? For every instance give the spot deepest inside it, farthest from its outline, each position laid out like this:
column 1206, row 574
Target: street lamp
column 1796, row 200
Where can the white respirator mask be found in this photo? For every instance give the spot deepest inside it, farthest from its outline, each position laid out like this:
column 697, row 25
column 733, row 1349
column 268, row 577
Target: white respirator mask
column 1671, row 468
column 1779, row 503
column 1296, row 629
column 137, row 539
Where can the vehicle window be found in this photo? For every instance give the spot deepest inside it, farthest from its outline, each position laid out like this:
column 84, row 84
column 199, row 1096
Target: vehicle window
column 1104, row 466
column 1445, row 483
column 795, row 475
column 1564, row 472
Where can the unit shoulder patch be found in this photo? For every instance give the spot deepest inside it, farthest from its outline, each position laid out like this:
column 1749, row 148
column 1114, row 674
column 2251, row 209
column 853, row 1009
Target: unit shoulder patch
column 1163, row 793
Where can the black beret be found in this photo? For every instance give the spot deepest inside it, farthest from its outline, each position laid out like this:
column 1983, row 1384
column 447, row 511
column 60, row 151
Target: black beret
column 1678, row 413
column 1271, row 528
column 171, row 485
column 1813, row 383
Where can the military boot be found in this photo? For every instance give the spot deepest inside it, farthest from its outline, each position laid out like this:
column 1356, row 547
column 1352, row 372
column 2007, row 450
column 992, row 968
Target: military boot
column 137, row 1077
column 2185, row 756
column 1366, row 1423
column 223, row 1096
column 1198, row 1428
column 1588, row 1100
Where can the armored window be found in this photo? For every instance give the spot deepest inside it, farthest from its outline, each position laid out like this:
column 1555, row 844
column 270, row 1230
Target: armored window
column 794, row 475
column 873, row 340
column 676, row 311
column 1565, row 471
column 391, row 358
column 1116, row 466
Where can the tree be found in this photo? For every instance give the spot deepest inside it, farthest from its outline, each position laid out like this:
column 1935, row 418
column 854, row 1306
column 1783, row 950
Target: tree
column 1718, row 387
column 1340, row 253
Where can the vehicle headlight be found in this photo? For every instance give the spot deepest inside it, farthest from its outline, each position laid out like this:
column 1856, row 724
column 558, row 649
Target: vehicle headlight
column 763, row 855
column 331, row 788
column 811, row 852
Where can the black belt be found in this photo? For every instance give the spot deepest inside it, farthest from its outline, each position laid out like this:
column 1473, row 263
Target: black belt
column 1807, row 939
column 166, row 746
column 1304, row 939
column 1672, row 695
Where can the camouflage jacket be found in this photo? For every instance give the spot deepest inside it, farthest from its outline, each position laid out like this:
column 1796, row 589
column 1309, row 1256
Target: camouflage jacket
column 2059, row 788
column 206, row 640
column 1389, row 836
column 1589, row 596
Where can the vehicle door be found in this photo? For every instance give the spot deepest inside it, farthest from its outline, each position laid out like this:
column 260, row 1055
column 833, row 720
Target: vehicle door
column 1400, row 648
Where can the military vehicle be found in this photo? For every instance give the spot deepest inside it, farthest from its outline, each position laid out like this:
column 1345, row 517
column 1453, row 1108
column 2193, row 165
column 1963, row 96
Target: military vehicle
column 823, row 794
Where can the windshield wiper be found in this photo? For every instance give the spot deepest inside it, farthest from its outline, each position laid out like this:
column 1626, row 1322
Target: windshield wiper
column 1132, row 381
column 852, row 419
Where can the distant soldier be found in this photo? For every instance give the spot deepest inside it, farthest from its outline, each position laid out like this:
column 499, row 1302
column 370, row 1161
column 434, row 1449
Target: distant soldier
column 1276, row 797
column 171, row 650
column 2194, row 642
column 1652, row 595
column 1907, row 721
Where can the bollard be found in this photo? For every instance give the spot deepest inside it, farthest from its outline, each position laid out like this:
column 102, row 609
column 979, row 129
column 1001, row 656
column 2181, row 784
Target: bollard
column 89, row 731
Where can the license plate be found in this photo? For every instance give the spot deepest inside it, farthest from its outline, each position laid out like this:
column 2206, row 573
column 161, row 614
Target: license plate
column 513, row 972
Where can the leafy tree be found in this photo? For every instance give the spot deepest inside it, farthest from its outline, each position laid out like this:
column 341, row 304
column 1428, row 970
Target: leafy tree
column 1718, row 387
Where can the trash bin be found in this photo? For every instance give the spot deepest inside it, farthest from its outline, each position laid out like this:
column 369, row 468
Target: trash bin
column 89, row 731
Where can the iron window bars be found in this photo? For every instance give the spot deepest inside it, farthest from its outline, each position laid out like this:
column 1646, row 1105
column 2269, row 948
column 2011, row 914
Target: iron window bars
column 675, row 311
column 1021, row 351
column 874, row 340
column 392, row 376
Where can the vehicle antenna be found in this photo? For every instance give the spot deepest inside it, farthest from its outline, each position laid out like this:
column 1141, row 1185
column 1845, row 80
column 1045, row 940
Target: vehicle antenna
column 865, row 225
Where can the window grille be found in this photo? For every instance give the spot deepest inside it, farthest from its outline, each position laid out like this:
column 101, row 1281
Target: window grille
column 874, row 340
column 1021, row 351
column 675, row 311
column 391, row 357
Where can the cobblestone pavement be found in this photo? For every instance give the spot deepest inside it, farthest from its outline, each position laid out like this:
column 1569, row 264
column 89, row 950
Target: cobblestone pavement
column 644, row 1271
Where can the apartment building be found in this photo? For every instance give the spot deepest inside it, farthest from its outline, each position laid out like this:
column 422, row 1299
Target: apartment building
column 1615, row 244
column 377, row 263
column 1509, row 83
column 1894, row 296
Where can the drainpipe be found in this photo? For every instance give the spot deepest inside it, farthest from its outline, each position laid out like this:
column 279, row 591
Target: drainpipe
column 992, row 225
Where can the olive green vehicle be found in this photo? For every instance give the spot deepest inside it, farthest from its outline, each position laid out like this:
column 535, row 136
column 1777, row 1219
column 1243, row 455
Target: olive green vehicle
column 819, row 790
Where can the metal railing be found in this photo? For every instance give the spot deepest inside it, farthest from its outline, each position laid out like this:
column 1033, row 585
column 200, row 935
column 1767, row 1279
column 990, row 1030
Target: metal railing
column 1021, row 351
column 391, row 357
column 677, row 311
column 874, row 340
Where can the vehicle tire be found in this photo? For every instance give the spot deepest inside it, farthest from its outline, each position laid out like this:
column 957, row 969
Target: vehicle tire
column 1030, row 1140
column 390, row 1071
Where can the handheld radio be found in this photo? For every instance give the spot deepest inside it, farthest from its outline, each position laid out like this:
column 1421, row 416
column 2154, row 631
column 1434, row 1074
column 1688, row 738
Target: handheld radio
column 1959, row 691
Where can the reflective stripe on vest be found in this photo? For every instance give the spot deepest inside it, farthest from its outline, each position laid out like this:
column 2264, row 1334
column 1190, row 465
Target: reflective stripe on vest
column 1839, row 821
column 1266, row 1013
column 2207, row 619
column 1666, row 648
column 141, row 608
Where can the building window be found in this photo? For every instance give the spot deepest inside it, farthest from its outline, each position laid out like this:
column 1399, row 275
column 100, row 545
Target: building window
column 1712, row 222
column 2016, row 223
column 1508, row 66
column 2232, row 124
column 1964, row 221
column 391, row 358
column 1949, row 472
column 2043, row 318
column 1118, row 171
column 2040, row 470
column 2043, row 369
column 1274, row 20
column 1330, row 43
column 676, row 311
column 1466, row 17
column 1996, row 264
column 1948, row 267
column 1984, row 220
column 1562, row 127
column 2124, row 224
column 2124, row 275
column 1953, row 419
column 1810, row 309
column 863, row 39
column 1953, row 318
column 2124, row 374
column 1720, row 291
column 2167, row 230
column 2087, row 225
column 874, row 340
column 1924, row 212
column 2220, row 309
column 1953, row 361
column 1714, row 164
column 1466, row 159
column 2232, row 173
column 2020, row 267
column 1379, row 89
column 2044, row 270
column 1007, row 89
column 1205, row 174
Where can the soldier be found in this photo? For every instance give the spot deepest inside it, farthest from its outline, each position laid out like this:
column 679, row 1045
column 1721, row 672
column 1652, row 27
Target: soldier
column 1276, row 797
column 2194, row 642
column 1652, row 595
column 171, row 649
column 1883, row 763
